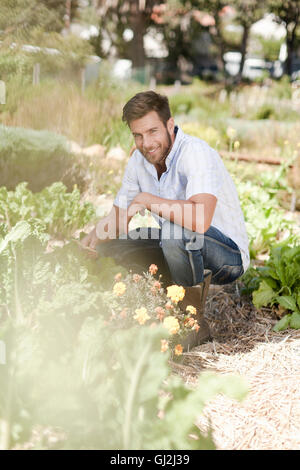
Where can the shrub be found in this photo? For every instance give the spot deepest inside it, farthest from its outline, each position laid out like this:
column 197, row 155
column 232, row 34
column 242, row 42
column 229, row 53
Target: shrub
column 207, row 133
column 37, row 157
column 266, row 111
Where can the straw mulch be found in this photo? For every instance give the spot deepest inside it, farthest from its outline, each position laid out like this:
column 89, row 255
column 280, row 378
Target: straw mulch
column 244, row 344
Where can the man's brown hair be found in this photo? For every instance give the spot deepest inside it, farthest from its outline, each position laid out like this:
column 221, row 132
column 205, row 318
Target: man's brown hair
column 145, row 102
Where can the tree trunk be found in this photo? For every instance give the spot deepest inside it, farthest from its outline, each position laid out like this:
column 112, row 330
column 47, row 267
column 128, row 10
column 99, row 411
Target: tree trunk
column 243, row 51
column 138, row 27
column 290, row 41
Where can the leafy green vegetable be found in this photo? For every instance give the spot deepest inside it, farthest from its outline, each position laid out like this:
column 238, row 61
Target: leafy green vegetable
column 265, row 219
column 279, row 283
column 62, row 212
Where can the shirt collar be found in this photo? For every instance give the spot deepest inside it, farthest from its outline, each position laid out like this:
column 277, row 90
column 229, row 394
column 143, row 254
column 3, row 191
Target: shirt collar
column 178, row 138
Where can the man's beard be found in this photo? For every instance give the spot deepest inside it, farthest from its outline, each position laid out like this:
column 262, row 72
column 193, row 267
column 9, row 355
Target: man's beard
column 165, row 151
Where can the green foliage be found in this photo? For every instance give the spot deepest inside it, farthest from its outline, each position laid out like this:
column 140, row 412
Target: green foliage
column 270, row 47
column 278, row 282
column 282, row 89
column 266, row 111
column 61, row 212
column 265, row 221
column 94, row 386
column 207, row 133
column 38, row 157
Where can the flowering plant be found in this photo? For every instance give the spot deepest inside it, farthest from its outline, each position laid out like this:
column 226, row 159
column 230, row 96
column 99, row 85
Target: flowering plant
column 141, row 301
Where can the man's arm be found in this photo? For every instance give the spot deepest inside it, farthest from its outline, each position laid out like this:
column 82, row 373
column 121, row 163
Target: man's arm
column 108, row 228
column 194, row 214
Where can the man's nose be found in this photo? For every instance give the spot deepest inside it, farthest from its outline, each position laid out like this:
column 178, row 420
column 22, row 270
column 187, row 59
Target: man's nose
column 147, row 142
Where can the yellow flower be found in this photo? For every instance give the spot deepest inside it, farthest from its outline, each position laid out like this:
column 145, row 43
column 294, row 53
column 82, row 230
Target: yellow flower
column 236, row 145
column 176, row 293
column 231, row 132
column 178, row 350
column 172, row 325
column 164, row 345
column 119, row 288
column 153, row 269
column 141, row 315
column 192, row 310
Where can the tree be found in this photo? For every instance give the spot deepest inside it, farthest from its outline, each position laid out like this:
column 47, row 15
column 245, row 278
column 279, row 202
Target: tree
column 247, row 13
column 288, row 13
column 180, row 29
column 244, row 13
column 216, row 9
column 118, row 17
column 20, row 19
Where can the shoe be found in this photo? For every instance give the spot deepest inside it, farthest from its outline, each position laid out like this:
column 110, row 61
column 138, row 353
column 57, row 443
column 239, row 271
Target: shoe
column 196, row 296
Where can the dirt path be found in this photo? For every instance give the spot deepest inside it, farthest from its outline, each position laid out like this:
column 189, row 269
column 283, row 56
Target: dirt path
column 244, row 344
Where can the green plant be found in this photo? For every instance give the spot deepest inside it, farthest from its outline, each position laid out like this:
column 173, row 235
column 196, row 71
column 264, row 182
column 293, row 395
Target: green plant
column 60, row 211
column 265, row 220
column 207, row 133
column 278, row 282
column 38, row 157
column 266, row 111
column 92, row 385
column 136, row 300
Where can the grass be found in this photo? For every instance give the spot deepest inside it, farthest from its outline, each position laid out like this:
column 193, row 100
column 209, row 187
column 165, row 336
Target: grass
column 202, row 109
column 88, row 118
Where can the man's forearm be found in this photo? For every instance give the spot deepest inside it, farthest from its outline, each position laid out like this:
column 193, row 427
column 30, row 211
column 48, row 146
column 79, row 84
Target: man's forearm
column 181, row 212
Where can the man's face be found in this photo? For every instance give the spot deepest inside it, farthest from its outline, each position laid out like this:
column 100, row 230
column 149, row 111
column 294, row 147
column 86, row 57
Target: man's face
column 152, row 138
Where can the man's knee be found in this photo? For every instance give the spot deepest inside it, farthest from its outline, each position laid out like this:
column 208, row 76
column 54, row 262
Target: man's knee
column 171, row 236
column 175, row 236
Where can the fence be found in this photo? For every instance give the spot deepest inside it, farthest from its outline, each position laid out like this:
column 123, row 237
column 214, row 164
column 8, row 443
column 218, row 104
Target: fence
column 259, row 96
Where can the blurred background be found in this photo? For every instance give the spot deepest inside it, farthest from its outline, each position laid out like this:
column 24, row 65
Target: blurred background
column 67, row 67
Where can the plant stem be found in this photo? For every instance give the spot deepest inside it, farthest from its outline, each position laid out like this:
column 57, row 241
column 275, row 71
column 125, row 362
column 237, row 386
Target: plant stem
column 131, row 395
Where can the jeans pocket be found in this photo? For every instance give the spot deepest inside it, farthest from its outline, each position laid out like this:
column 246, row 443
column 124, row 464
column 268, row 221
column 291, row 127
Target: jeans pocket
column 227, row 274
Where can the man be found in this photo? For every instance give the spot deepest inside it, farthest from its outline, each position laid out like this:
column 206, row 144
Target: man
column 185, row 185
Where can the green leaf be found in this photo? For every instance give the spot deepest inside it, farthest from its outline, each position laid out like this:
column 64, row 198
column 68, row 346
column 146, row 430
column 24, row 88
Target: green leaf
column 295, row 321
column 19, row 232
column 263, row 296
column 298, row 299
column 283, row 324
column 287, row 301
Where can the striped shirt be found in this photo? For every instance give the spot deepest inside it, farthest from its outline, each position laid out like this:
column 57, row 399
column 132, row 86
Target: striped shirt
column 193, row 167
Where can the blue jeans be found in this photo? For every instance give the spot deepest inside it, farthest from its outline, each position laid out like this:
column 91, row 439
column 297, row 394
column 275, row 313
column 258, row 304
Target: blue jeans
column 180, row 254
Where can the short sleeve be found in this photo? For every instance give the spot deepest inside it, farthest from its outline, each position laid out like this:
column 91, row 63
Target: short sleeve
column 130, row 186
column 202, row 167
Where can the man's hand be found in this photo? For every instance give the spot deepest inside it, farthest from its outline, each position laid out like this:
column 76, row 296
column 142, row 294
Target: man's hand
column 89, row 243
column 137, row 205
column 108, row 228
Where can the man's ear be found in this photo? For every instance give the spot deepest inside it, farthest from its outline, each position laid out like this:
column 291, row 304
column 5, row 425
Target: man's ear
column 171, row 125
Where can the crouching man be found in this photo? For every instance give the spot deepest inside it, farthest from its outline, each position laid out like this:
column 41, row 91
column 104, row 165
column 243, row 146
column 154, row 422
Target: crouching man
column 185, row 185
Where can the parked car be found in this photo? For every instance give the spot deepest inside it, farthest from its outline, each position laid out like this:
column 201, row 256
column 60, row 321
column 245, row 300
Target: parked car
column 253, row 67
